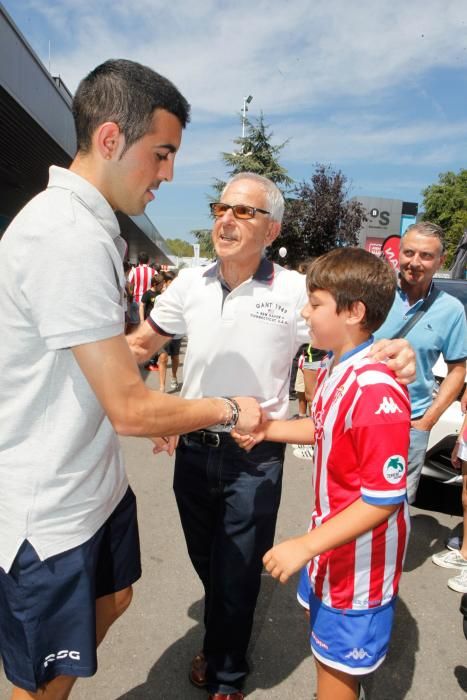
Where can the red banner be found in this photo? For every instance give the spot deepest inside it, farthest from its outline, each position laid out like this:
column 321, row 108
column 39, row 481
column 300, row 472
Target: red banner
column 390, row 250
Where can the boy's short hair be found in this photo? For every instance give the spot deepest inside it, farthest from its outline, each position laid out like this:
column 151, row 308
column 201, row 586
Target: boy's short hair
column 353, row 274
column 127, row 93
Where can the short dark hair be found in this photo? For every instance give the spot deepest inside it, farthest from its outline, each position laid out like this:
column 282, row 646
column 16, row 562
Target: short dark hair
column 157, row 279
column 143, row 257
column 126, row 93
column 353, row 274
column 169, row 275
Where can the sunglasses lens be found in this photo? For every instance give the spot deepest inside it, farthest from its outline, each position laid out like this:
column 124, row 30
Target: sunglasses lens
column 218, row 209
column 241, row 211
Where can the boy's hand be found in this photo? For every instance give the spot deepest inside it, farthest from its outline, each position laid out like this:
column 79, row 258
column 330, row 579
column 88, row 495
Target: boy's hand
column 165, row 444
column 287, row 558
column 249, row 440
column 400, row 357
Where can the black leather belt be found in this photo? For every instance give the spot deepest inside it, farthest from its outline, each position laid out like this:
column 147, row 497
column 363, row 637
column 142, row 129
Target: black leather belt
column 207, row 437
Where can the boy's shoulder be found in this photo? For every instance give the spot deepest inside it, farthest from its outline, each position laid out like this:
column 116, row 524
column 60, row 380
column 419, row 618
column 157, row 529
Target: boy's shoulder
column 366, row 368
column 380, row 392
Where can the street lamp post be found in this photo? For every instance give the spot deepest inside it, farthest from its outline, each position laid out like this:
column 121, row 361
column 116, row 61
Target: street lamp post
column 246, row 102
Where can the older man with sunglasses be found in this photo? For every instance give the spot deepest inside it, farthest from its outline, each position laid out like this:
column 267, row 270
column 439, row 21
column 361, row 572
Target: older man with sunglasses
column 242, row 319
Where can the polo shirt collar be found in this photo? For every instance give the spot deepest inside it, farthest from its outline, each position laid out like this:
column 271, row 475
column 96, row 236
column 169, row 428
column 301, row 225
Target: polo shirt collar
column 418, row 303
column 89, row 195
column 264, row 271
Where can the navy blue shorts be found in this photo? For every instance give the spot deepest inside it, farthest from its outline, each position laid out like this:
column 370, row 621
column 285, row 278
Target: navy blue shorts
column 48, row 608
column 172, row 348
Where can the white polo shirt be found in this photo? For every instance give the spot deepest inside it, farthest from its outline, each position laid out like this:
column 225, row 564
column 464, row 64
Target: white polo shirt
column 240, row 342
column 61, row 285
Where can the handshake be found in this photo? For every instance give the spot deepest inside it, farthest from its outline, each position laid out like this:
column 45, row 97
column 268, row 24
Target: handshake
column 248, row 415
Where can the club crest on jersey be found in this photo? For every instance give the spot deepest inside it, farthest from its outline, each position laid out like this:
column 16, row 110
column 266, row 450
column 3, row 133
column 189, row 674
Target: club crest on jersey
column 388, row 405
column 393, row 469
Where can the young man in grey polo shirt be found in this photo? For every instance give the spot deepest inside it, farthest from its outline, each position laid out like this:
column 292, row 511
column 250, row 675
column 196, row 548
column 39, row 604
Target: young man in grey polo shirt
column 69, row 548
column 242, row 318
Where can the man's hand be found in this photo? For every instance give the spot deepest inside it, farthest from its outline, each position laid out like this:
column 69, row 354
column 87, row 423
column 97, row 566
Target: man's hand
column 250, row 414
column 455, row 461
column 464, row 402
column 165, row 444
column 422, row 424
column 287, row 558
column 400, row 357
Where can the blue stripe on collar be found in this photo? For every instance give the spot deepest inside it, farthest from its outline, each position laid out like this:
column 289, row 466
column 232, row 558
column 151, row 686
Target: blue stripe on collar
column 264, row 271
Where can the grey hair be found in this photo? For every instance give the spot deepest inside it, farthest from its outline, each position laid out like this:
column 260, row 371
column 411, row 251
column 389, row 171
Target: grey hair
column 274, row 197
column 428, row 228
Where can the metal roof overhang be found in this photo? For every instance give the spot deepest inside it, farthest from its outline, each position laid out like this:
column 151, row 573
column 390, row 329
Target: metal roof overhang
column 36, row 131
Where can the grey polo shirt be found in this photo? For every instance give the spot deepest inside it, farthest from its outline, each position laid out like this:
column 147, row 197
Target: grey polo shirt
column 61, row 285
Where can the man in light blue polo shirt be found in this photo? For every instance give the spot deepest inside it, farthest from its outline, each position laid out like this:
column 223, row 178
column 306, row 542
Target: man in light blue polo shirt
column 440, row 331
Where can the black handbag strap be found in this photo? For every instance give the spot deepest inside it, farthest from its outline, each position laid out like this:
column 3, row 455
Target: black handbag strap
column 429, row 300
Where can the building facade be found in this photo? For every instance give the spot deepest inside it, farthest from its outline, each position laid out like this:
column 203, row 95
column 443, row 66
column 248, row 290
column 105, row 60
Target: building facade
column 385, row 217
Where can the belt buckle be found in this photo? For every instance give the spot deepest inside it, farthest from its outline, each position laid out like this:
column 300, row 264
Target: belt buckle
column 212, row 439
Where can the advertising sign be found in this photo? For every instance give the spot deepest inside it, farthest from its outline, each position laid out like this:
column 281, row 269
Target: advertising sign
column 390, row 250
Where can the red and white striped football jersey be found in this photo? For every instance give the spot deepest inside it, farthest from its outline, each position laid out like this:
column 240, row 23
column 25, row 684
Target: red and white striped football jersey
column 140, row 277
column 362, row 423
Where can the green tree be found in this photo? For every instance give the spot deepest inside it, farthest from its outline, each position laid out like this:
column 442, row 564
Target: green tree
column 256, row 154
column 319, row 217
column 178, row 247
column 445, row 203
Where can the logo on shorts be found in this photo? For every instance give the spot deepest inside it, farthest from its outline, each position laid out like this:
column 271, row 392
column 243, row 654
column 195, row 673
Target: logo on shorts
column 319, row 641
column 63, row 654
column 357, row 654
column 388, row 405
column 393, row 469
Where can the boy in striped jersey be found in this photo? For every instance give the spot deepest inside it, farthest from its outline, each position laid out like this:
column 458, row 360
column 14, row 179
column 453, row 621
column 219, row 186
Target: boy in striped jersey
column 354, row 550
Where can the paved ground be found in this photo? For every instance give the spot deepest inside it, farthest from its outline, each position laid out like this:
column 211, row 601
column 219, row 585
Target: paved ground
column 146, row 654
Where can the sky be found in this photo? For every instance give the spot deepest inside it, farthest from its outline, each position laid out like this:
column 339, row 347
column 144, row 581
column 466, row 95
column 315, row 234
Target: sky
column 376, row 89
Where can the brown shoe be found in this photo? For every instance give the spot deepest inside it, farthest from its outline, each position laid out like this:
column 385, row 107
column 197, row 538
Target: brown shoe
column 230, row 696
column 197, row 673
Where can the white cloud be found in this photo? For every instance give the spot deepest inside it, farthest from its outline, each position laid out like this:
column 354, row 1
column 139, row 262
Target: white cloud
column 352, row 84
column 290, row 56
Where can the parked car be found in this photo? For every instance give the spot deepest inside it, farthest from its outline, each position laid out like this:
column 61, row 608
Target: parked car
column 444, row 433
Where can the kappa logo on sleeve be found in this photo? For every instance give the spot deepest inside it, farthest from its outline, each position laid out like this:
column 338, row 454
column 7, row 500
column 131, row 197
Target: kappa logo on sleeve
column 388, row 405
column 394, row 469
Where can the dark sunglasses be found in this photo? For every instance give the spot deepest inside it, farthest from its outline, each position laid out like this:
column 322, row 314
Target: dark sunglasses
column 240, row 211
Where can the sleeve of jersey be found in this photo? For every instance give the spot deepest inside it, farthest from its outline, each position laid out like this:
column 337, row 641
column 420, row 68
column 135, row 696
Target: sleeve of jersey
column 167, row 317
column 380, row 431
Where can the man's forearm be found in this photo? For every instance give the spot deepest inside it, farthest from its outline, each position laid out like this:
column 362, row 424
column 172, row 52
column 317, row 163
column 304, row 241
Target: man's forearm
column 449, row 390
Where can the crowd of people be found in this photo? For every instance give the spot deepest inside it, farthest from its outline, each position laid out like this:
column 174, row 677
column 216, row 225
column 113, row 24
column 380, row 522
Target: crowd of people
column 69, row 548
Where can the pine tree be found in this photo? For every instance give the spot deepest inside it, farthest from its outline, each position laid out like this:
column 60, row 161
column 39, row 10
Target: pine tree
column 256, row 154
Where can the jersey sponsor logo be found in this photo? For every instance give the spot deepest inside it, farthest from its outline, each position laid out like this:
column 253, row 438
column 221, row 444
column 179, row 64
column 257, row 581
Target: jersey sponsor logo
column 340, row 391
column 63, row 654
column 393, row 469
column 357, row 654
column 319, row 424
column 388, row 405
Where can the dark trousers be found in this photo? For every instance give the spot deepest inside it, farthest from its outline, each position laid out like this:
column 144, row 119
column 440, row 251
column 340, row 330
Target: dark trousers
column 228, row 501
